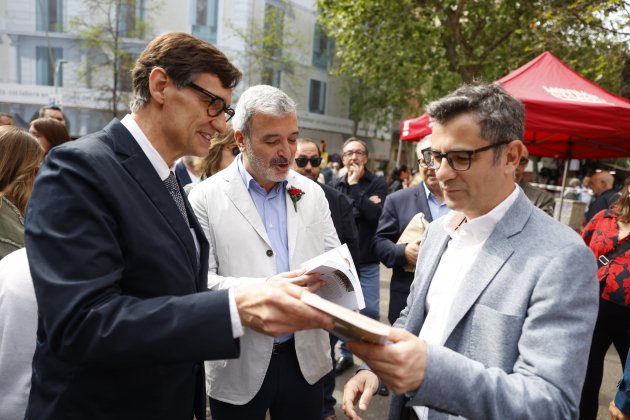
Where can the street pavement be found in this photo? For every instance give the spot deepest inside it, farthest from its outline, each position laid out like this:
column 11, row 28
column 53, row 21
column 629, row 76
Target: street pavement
column 379, row 406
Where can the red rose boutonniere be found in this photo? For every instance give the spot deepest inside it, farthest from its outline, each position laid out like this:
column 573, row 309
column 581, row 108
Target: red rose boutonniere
column 295, row 194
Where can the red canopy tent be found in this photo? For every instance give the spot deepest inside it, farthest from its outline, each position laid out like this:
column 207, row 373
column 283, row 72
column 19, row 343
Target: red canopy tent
column 567, row 115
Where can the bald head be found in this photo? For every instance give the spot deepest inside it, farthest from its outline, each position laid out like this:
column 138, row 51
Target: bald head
column 601, row 182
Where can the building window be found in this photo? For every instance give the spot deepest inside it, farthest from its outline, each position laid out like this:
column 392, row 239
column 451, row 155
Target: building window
column 274, row 31
column 322, row 48
column 204, row 18
column 317, row 97
column 46, row 61
column 130, row 18
column 49, row 15
column 271, row 76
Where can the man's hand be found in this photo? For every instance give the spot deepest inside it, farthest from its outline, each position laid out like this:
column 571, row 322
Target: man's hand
column 411, row 253
column 360, row 388
column 274, row 308
column 355, row 173
column 375, row 199
column 615, row 413
column 400, row 365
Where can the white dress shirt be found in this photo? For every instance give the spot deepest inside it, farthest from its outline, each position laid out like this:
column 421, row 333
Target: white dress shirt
column 467, row 239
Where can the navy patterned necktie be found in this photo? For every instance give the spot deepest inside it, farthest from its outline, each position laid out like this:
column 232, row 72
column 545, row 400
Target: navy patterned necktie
column 173, row 188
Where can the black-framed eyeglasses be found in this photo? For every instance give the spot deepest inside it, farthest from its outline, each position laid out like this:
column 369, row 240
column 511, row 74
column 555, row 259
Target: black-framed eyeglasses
column 216, row 104
column 235, row 150
column 302, row 161
column 421, row 161
column 459, row 160
column 358, row 153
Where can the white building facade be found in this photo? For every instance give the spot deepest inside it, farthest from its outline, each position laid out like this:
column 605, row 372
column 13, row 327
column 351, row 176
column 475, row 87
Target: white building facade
column 45, row 60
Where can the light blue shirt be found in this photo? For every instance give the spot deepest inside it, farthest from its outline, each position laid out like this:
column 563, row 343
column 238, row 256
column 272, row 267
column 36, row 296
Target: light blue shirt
column 437, row 210
column 272, row 209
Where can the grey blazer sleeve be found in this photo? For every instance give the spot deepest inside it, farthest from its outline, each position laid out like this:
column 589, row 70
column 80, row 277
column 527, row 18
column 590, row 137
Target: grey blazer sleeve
column 552, row 350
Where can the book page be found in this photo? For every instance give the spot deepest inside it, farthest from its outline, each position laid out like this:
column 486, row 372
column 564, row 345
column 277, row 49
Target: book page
column 338, row 287
column 342, row 280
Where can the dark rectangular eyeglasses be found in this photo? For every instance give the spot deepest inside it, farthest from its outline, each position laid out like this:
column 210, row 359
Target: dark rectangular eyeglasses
column 216, row 104
column 302, row 161
column 459, row 160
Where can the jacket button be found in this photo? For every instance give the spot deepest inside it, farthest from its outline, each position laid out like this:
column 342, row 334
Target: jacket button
column 269, row 253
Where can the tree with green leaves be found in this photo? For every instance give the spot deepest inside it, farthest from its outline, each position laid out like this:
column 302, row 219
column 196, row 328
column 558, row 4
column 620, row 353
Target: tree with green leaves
column 404, row 53
column 269, row 46
column 110, row 31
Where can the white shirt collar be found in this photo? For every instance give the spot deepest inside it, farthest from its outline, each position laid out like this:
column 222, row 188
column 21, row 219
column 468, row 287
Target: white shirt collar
column 478, row 229
column 151, row 153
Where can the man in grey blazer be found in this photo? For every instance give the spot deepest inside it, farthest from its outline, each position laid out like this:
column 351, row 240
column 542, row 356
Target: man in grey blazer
column 504, row 300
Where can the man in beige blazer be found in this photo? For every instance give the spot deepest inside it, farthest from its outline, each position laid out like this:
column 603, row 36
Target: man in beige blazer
column 261, row 219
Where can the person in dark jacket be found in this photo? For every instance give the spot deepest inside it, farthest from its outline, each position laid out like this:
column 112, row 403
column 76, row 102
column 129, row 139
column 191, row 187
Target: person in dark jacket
column 367, row 193
column 307, row 162
column 400, row 207
column 125, row 317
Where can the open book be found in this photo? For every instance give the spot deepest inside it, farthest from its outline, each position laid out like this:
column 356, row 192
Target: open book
column 349, row 325
column 342, row 281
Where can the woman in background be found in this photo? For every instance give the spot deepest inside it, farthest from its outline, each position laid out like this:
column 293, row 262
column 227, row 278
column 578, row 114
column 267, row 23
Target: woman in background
column 20, row 157
column 221, row 153
column 400, row 179
column 608, row 236
column 49, row 132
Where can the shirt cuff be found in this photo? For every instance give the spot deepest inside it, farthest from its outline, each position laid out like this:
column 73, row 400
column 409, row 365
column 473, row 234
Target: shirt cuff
column 237, row 326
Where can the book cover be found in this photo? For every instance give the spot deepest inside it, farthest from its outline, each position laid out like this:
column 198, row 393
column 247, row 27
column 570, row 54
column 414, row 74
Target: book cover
column 349, row 325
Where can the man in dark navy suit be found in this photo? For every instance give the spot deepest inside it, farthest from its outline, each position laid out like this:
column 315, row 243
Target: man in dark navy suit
column 119, row 261
column 400, row 207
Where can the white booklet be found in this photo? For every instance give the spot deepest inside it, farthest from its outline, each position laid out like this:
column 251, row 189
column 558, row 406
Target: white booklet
column 342, row 280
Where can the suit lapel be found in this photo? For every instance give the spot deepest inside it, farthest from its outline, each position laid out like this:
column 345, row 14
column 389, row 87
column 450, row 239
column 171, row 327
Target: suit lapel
column 292, row 216
column 139, row 167
column 237, row 192
column 423, row 202
column 491, row 258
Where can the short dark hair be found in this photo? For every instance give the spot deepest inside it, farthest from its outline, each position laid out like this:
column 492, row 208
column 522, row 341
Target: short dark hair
column 358, row 140
column 42, row 110
column 182, row 56
column 313, row 142
column 54, row 131
column 501, row 117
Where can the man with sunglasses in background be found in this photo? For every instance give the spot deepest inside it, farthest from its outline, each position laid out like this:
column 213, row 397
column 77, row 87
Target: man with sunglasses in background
column 504, row 300
column 308, row 162
column 119, row 261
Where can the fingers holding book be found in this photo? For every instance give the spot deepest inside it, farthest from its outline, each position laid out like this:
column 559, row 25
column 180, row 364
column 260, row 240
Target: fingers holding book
column 274, row 308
